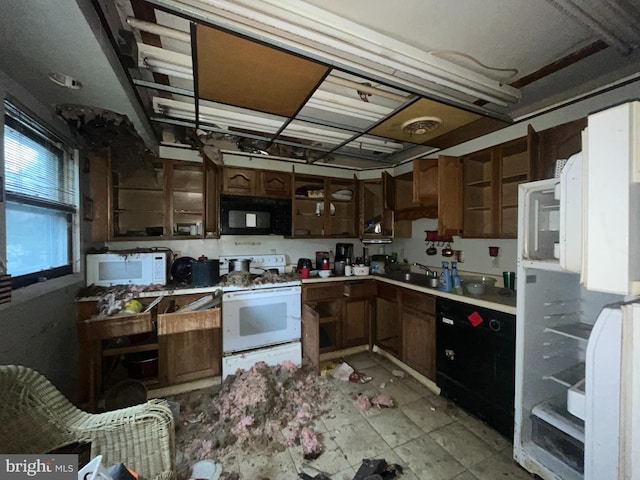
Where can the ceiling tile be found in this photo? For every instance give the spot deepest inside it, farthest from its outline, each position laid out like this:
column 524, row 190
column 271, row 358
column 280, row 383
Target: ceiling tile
column 451, row 117
column 236, row 71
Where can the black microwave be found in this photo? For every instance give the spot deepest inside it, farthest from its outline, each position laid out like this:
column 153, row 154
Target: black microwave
column 240, row 215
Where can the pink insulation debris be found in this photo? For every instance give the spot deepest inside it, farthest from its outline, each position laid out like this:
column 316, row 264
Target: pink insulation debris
column 382, row 400
column 254, row 406
column 362, row 403
column 311, row 446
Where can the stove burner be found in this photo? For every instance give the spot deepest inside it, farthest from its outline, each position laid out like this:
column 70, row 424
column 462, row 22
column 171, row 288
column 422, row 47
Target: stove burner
column 252, row 280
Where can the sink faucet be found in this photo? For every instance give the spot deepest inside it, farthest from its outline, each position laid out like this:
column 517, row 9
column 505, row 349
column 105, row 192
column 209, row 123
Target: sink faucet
column 425, row 268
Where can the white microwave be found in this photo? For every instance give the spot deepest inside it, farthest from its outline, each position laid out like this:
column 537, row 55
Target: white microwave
column 125, row 268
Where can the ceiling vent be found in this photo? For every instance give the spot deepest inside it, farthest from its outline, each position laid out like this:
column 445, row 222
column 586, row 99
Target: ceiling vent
column 421, row 125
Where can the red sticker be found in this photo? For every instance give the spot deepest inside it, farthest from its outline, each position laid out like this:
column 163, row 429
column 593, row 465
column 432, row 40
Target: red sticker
column 475, row 319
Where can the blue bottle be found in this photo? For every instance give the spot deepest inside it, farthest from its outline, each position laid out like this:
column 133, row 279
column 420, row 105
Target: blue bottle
column 445, row 278
column 455, row 279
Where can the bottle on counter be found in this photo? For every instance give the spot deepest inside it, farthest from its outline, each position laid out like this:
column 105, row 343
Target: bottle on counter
column 456, row 286
column 445, row 278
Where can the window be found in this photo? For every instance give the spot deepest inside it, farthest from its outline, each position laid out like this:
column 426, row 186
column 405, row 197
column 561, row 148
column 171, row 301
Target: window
column 41, row 200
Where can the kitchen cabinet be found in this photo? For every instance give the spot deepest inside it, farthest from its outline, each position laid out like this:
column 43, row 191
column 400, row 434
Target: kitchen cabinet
column 188, row 344
column 417, row 316
column 377, row 204
column 324, row 207
column 255, row 182
column 338, row 316
column 161, row 199
column 356, row 312
column 490, row 185
column 387, row 325
column 405, row 327
column 555, row 143
column 436, row 193
column 326, row 300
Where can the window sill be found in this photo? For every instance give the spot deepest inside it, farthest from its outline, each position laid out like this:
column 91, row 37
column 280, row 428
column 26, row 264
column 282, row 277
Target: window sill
column 31, row 292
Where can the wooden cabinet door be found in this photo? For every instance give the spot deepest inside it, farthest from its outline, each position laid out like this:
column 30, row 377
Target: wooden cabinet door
column 356, row 312
column 387, row 328
column 311, row 337
column 355, row 325
column 418, row 331
column 188, row 356
column 449, row 195
column 239, row 181
column 275, row 184
column 425, row 180
column 418, row 341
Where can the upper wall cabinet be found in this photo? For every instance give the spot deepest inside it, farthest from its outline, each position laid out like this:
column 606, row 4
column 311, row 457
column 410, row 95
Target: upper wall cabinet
column 377, row 205
column 324, row 207
column 432, row 190
column 161, row 199
column 556, row 143
column 490, row 188
column 253, row 182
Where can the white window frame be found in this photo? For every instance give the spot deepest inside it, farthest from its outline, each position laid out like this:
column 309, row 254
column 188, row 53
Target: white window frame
column 71, row 156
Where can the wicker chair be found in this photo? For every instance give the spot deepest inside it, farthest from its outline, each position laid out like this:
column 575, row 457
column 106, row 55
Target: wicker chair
column 36, row 418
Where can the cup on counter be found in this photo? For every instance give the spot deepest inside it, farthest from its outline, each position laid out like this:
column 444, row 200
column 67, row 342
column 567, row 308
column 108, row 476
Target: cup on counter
column 305, row 272
column 509, row 279
column 347, row 270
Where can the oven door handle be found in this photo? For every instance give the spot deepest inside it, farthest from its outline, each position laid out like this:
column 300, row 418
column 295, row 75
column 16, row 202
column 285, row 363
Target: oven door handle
column 259, row 293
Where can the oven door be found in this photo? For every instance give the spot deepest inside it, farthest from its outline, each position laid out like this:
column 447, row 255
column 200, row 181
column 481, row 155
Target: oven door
column 261, row 317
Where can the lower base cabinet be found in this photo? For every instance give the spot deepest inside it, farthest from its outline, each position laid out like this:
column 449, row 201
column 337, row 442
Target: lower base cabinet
column 187, row 345
column 405, row 327
column 345, row 314
column 336, row 315
column 419, row 332
column 387, row 325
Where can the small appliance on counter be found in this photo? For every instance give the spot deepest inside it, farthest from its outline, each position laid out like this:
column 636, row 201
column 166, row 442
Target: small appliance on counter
column 344, row 252
column 322, row 260
column 205, row 272
column 127, row 267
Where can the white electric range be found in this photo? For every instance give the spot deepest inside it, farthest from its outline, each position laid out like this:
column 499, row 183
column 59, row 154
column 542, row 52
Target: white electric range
column 261, row 314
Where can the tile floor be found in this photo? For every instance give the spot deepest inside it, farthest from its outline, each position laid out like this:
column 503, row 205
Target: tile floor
column 429, row 436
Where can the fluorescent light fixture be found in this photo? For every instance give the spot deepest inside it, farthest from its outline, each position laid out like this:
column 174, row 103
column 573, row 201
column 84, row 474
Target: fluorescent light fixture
column 284, row 21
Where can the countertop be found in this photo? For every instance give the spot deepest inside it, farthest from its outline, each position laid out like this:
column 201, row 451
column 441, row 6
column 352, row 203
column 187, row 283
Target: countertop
column 491, row 299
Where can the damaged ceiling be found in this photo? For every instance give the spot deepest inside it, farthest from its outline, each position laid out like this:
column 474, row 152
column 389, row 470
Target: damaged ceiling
column 359, row 84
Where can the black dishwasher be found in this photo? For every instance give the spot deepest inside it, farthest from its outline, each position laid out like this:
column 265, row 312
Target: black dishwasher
column 476, row 364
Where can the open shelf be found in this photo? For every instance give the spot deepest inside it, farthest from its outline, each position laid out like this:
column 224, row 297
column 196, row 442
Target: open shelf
column 555, row 413
column 578, row 331
column 569, row 376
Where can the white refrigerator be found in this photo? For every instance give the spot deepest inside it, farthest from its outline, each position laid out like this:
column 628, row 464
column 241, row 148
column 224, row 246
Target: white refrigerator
column 578, row 272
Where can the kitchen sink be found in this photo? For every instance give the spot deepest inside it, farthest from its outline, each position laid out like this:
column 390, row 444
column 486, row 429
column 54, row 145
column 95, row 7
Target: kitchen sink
column 413, row 278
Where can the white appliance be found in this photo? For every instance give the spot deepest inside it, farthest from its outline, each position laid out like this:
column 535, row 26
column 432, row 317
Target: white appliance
column 127, row 268
column 261, row 322
column 578, row 259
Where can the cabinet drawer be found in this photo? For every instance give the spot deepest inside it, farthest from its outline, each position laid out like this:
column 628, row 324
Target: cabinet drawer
column 114, row 326
column 324, row 291
column 422, row 302
column 388, row 292
column 180, row 322
column 358, row 289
